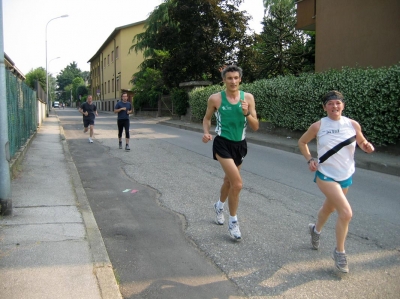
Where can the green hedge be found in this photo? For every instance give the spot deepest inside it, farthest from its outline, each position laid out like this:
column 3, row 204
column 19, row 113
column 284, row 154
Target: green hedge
column 372, row 98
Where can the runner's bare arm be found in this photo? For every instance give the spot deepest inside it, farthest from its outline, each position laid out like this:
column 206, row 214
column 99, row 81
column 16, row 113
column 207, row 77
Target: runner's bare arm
column 309, row 135
column 249, row 105
column 361, row 140
column 211, row 107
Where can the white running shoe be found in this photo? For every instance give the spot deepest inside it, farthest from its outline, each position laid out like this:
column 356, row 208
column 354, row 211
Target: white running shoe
column 90, row 140
column 340, row 261
column 234, row 231
column 219, row 218
column 314, row 236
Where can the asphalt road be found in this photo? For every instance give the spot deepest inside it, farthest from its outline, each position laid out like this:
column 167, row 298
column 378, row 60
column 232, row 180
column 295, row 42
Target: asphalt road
column 161, row 236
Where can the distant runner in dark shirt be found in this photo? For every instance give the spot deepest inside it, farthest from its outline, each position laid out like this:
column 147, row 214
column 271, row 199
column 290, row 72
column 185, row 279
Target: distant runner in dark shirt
column 123, row 108
column 89, row 112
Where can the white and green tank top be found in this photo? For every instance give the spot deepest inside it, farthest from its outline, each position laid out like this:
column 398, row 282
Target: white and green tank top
column 231, row 123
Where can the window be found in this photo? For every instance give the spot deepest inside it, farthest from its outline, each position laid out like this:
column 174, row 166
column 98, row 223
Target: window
column 104, row 63
column 116, row 52
column 108, row 59
column 112, row 85
column 108, row 85
column 112, row 56
column 118, row 87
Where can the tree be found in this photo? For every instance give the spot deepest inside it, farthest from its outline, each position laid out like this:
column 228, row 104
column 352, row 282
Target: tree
column 82, row 90
column 281, row 48
column 157, row 25
column 66, row 76
column 309, row 56
column 72, row 82
column 247, row 59
column 85, row 76
column 38, row 74
column 148, row 87
column 197, row 37
column 78, row 81
column 66, row 94
column 267, row 5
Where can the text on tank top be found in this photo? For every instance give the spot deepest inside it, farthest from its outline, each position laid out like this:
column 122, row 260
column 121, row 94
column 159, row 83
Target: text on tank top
column 339, row 166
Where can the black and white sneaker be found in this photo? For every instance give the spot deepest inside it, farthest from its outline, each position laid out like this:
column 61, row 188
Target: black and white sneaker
column 120, row 145
column 219, row 217
column 340, row 261
column 234, row 231
column 314, row 236
column 127, row 148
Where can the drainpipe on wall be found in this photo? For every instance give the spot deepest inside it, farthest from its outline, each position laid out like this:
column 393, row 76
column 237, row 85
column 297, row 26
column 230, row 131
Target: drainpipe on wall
column 101, row 78
column 115, row 73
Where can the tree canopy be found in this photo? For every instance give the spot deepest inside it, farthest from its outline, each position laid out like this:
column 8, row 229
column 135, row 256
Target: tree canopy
column 38, row 74
column 197, row 37
column 281, row 48
column 66, row 77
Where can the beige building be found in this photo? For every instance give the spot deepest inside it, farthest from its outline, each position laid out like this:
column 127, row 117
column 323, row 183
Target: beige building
column 112, row 67
column 352, row 33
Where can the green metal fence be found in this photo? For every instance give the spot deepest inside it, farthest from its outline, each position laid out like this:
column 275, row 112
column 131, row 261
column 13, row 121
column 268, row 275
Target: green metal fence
column 21, row 110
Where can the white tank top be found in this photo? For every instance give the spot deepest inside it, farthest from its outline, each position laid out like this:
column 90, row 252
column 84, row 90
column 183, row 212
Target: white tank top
column 339, row 166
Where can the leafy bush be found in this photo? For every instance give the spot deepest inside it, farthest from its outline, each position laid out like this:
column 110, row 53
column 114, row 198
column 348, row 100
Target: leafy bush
column 180, row 99
column 147, row 88
column 198, row 99
column 372, row 98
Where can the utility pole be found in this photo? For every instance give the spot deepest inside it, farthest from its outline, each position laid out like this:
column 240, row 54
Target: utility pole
column 5, row 180
column 47, row 74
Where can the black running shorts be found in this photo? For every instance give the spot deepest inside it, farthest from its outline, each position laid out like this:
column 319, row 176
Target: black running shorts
column 88, row 121
column 228, row 149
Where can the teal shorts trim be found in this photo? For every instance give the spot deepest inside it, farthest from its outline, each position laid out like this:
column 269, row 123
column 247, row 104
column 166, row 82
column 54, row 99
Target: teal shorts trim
column 344, row 184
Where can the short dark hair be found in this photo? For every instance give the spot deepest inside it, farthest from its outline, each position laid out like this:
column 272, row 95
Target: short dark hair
column 232, row 68
column 122, row 93
column 332, row 95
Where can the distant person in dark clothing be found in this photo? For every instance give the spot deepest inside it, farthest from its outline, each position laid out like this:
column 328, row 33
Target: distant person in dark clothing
column 123, row 108
column 89, row 112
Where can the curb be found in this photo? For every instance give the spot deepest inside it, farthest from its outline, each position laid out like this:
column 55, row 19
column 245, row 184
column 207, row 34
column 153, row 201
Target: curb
column 102, row 267
column 360, row 162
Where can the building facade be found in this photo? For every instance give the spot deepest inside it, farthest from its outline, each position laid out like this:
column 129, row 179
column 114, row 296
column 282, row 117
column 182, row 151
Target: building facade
column 356, row 33
column 113, row 65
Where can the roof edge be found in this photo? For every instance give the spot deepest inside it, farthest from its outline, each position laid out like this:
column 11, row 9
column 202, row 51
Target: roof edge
column 112, row 35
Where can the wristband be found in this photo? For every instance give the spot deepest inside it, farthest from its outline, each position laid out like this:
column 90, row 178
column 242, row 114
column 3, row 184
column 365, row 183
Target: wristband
column 248, row 113
column 309, row 161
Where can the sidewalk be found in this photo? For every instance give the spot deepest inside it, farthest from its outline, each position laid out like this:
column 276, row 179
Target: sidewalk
column 51, row 246
column 378, row 161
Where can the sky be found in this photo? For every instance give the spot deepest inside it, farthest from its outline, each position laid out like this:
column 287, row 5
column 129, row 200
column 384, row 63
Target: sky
column 78, row 36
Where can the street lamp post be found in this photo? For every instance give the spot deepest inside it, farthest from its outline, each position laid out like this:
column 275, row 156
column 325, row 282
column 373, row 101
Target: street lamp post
column 49, row 102
column 47, row 77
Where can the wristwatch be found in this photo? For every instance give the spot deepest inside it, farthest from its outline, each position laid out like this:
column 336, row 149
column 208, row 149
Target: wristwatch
column 248, row 113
